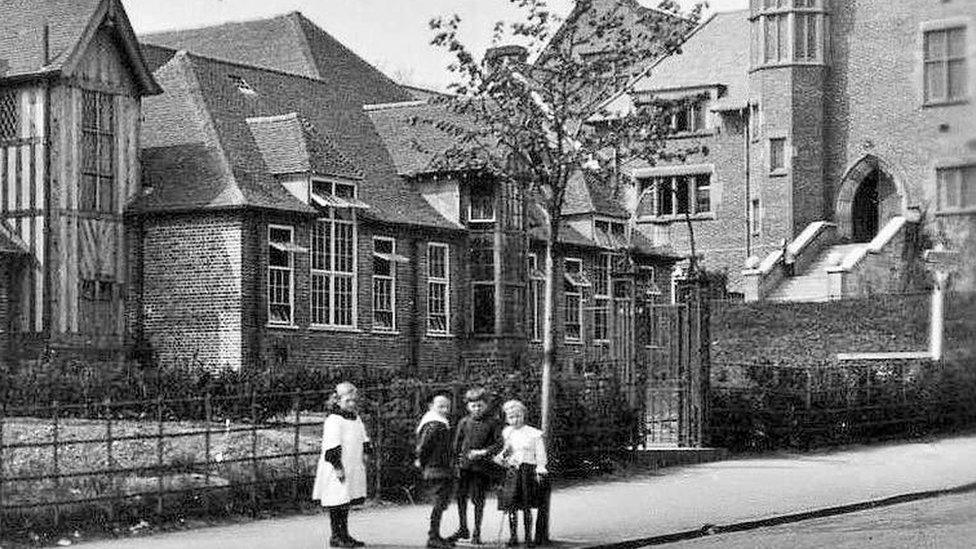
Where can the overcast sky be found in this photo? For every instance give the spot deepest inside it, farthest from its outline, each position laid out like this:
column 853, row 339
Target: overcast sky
column 391, row 34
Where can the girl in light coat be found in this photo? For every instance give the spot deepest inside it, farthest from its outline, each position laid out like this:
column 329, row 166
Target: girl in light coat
column 340, row 478
column 524, row 456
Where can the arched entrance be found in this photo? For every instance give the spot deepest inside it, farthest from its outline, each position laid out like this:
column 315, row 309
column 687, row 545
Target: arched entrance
column 866, row 200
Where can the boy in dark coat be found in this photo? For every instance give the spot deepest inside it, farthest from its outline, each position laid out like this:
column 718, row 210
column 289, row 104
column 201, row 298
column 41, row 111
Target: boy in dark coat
column 477, row 441
column 434, row 459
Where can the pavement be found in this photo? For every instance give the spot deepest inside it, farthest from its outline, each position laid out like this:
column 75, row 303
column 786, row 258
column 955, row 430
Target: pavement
column 645, row 506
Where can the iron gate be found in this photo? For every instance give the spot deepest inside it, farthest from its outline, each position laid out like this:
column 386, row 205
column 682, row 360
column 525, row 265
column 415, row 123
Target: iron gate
column 672, row 352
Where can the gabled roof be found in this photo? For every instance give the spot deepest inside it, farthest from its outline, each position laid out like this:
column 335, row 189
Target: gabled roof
column 587, row 193
column 49, row 37
column 290, row 144
column 203, row 120
column 289, row 43
column 715, row 54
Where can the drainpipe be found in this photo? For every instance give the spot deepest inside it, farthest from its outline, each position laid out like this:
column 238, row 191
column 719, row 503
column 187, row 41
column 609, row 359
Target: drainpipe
column 747, row 162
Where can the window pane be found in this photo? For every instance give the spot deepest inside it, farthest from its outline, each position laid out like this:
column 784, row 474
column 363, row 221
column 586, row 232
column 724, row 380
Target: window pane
column 382, row 266
column 89, row 109
column 105, row 156
column 343, row 300
column 968, row 183
column 483, row 301
column 681, row 194
column 813, row 40
column 574, row 329
column 664, row 196
column 783, row 36
column 935, row 81
column 106, row 198
column 935, row 45
column 321, row 246
column 320, row 299
column 957, row 79
column 89, row 190
column 771, row 41
column 799, row 36
column 957, row 42
column 437, row 261
column 343, row 247
column 482, row 202
column 601, row 313
column 776, row 154
column 703, row 199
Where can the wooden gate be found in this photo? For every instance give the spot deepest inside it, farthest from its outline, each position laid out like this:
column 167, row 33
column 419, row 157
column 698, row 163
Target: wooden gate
column 672, row 351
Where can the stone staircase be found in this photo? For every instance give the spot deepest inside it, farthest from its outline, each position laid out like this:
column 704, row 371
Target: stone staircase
column 813, row 283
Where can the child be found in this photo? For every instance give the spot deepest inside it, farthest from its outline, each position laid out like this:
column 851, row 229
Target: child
column 340, row 478
column 434, row 459
column 524, row 454
column 478, row 439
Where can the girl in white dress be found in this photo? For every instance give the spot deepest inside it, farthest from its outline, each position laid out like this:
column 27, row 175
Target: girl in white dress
column 340, row 478
column 524, row 456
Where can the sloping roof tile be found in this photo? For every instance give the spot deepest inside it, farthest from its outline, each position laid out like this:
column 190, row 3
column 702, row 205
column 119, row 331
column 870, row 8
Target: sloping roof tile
column 587, row 193
column 290, row 144
column 10, row 243
column 716, row 53
column 289, row 43
column 208, row 109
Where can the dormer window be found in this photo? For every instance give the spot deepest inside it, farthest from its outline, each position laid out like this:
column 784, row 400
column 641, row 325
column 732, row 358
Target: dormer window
column 691, row 118
column 610, row 234
column 482, row 207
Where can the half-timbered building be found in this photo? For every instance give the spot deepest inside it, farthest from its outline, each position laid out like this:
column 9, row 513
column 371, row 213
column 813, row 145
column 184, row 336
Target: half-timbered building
column 72, row 78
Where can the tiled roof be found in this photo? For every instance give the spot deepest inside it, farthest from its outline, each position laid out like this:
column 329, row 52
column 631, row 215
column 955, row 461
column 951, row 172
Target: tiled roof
column 69, row 25
column 290, row 144
column 417, row 133
column 716, row 53
column 587, row 193
column 289, row 43
column 204, row 116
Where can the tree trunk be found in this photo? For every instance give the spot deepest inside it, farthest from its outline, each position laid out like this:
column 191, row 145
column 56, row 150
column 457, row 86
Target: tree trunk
column 548, row 336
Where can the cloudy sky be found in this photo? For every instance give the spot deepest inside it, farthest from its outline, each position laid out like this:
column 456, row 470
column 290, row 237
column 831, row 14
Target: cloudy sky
column 391, row 34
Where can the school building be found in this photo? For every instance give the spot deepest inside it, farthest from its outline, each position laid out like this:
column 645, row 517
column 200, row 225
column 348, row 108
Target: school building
column 245, row 195
column 845, row 128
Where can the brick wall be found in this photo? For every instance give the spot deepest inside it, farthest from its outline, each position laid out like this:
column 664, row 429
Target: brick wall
column 5, row 319
column 874, row 105
column 192, row 294
column 407, row 349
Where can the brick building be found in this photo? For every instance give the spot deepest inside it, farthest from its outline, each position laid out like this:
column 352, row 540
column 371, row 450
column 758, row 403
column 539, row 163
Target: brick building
column 846, row 128
column 237, row 205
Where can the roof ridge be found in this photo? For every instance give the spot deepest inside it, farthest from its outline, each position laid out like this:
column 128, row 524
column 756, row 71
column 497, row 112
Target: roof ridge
column 395, row 105
column 296, row 18
column 199, row 105
column 272, row 117
column 250, row 67
column 291, row 13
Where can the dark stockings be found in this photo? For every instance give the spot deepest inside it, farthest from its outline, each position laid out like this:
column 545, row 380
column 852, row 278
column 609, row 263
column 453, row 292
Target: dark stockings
column 339, row 520
column 513, row 526
column 479, row 513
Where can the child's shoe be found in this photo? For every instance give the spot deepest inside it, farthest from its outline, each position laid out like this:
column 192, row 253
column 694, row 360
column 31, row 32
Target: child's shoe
column 476, row 538
column 355, row 542
column 462, row 533
column 512, row 542
column 336, row 541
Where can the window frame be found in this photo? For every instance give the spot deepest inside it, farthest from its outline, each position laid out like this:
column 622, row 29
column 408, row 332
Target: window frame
column 603, row 267
column 537, row 287
column 493, row 201
column 946, row 26
column 291, row 276
column 578, row 295
column 443, row 282
column 391, row 279
column 961, row 206
column 331, row 274
column 755, row 217
column 785, row 16
column 694, row 191
column 782, row 168
column 97, row 192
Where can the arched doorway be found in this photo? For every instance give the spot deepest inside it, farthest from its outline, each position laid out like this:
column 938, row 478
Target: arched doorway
column 866, row 200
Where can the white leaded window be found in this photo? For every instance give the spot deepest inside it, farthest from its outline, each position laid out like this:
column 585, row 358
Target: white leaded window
column 676, row 195
column 438, row 288
column 333, row 259
column 945, row 65
column 957, row 188
column 574, row 283
column 777, row 155
column 789, row 31
column 384, row 283
column 536, row 305
column 755, row 217
column 281, row 275
column 601, row 297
